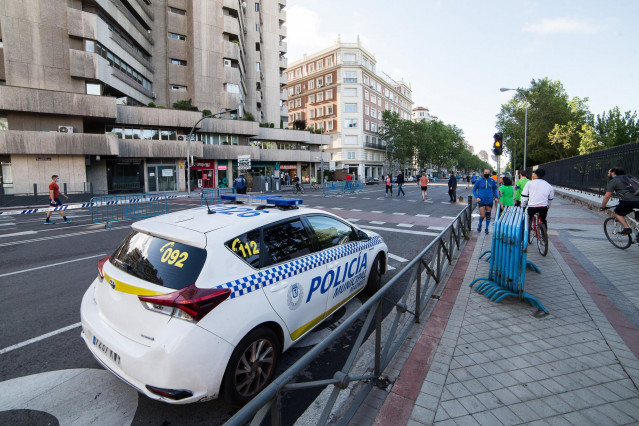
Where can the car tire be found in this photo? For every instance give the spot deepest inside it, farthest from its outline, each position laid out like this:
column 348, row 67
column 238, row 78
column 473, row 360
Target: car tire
column 252, row 366
column 374, row 282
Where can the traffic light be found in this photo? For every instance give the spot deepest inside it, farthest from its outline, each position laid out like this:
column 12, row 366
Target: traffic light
column 498, row 146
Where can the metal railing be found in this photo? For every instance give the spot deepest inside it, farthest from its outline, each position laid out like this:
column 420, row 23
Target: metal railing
column 113, row 208
column 425, row 273
column 212, row 196
column 588, row 173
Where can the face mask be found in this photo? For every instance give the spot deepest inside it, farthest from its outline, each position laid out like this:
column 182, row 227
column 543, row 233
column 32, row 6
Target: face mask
column 486, row 175
column 57, row 180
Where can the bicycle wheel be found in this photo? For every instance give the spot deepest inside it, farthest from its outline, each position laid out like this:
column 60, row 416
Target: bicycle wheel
column 542, row 240
column 531, row 229
column 612, row 228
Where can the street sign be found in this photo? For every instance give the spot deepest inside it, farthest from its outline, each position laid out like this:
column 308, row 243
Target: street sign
column 244, row 162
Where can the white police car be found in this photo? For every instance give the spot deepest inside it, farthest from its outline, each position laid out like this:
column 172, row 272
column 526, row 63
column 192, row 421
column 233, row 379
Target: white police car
column 193, row 305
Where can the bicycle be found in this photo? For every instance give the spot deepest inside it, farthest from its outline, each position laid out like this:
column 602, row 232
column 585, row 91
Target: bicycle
column 315, row 186
column 612, row 229
column 538, row 230
column 299, row 188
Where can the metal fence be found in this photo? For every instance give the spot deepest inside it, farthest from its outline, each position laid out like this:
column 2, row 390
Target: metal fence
column 212, row 196
column 113, row 208
column 425, row 272
column 588, row 173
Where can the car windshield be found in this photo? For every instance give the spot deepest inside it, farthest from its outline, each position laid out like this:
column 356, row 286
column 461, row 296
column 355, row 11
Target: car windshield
column 159, row 261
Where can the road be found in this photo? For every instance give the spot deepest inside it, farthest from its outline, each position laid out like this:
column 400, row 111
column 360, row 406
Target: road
column 45, row 270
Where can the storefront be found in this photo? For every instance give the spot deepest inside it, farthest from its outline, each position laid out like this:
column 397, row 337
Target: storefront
column 288, row 172
column 125, row 175
column 161, row 175
column 203, row 174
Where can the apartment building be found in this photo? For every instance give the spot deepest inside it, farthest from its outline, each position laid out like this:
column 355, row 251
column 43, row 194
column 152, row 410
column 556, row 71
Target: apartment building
column 339, row 92
column 422, row 114
column 87, row 89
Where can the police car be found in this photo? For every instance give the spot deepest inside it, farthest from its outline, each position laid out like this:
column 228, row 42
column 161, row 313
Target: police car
column 201, row 303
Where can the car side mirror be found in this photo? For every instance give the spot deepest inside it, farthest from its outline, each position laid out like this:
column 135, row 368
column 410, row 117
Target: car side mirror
column 362, row 236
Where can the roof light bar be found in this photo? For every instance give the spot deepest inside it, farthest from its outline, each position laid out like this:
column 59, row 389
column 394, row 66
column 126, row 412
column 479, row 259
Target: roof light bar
column 263, row 200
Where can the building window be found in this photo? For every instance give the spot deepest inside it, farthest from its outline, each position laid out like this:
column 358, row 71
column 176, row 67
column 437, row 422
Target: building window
column 373, row 112
column 329, row 61
column 310, row 68
column 178, row 62
column 367, row 110
column 350, row 107
column 116, row 62
column 175, row 36
column 379, row 115
column 298, row 72
column 349, row 58
column 329, row 110
column 89, row 45
column 329, row 94
column 298, row 89
column 298, row 103
column 290, row 104
column 311, row 99
column 232, row 88
column 311, row 113
column 177, row 88
column 320, row 64
column 257, row 7
column 350, row 122
column 320, row 97
column 6, row 173
column 329, row 79
column 328, row 125
column 373, row 98
column 290, row 91
column 367, row 125
column 319, row 111
column 373, row 127
column 94, row 89
column 4, row 122
column 311, row 84
column 178, row 11
column 350, row 91
column 257, row 66
column 350, row 76
column 350, row 155
column 320, row 82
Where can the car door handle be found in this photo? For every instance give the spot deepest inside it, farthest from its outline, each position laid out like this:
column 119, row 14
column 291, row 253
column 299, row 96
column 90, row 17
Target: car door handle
column 333, row 265
column 279, row 286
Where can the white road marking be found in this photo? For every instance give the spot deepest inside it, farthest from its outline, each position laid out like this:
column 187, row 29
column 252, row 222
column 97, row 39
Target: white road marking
column 352, row 220
column 405, row 225
column 397, row 258
column 337, row 208
column 436, row 228
column 356, row 210
column 37, row 339
column 53, row 264
column 16, row 234
column 390, row 268
column 8, row 224
column 377, row 222
column 377, row 211
column 412, row 201
column 399, row 213
column 366, row 198
column 449, row 217
column 423, row 215
column 74, row 234
column 401, row 231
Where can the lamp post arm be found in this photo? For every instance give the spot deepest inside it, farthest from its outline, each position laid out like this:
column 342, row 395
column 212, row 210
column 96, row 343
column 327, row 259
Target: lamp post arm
column 188, row 151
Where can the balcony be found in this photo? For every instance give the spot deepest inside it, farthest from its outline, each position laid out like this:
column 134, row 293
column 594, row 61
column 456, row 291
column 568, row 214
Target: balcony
column 283, row 31
column 283, row 79
column 283, row 62
column 147, row 9
column 283, row 47
column 156, row 149
column 83, row 64
column 25, row 99
column 231, row 127
column 143, row 116
column 56, row 143
column 375, row 145
column 282, row 15
column 231, row 50
column 231, row 25
column 82, row 24
column 232, row 75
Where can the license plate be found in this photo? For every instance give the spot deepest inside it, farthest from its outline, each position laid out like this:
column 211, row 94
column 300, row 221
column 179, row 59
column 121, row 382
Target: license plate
column 105, row 349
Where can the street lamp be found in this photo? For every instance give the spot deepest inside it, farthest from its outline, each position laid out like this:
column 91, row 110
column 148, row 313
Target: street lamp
column 521, row 92
column 188, row 149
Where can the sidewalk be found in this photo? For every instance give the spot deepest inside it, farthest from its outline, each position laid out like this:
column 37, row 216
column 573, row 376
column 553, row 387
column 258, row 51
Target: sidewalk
column 480, row 362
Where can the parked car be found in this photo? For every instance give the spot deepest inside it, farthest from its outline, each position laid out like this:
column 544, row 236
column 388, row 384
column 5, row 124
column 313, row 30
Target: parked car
column 201, row 303
column 372, row 181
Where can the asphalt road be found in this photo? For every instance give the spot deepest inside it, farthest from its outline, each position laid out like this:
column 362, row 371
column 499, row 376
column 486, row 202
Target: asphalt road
column 45, row 270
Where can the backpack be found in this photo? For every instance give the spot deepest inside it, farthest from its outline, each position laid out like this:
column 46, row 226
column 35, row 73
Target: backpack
column 631, row 183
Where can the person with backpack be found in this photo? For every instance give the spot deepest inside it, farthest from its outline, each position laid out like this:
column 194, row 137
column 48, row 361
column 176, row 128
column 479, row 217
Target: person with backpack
column 239, row 184
column 389, row 185
column 627, row 189
column 485, row 192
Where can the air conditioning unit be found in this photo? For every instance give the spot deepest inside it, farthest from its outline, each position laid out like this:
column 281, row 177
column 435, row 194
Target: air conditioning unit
column 65, row 129
column 181, row 137
column 227, row 62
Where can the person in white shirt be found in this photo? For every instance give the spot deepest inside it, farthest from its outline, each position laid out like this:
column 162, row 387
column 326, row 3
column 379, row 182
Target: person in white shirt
column 537, row 195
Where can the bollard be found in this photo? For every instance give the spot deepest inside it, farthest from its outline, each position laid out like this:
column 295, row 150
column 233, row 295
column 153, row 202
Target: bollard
column 64, row 191
column 35, row 189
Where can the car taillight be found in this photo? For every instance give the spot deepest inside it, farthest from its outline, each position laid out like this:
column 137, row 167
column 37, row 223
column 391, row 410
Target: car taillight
column 101, row 263
column 191, row 303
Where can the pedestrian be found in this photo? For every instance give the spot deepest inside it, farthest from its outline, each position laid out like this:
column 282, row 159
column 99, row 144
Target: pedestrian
column 485, row 192
column 400, row 182
column 506, row 194
column 423, row 182
column 467, row 181
column 389, row 185
column 239, row 184
column 54, row 200
column 519, row 186
column 452, row 188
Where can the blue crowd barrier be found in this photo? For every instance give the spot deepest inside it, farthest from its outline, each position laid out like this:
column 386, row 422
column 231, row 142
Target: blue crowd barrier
column 212, row 196
column 113, row 208
column 333, row 188
column 508, row 262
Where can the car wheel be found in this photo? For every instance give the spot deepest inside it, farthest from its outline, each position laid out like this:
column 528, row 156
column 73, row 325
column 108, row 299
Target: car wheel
column 252, row 366
column 375, row 278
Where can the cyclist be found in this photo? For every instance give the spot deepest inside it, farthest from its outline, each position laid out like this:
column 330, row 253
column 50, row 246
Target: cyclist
column 537, row 195
column 298, row 187
column 485, row 191
column 627, row 200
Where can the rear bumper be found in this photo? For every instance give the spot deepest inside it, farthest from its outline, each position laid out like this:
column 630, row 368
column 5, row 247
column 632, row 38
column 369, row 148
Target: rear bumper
column 184, row 357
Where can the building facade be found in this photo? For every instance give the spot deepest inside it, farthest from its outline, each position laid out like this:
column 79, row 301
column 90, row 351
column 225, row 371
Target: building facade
column 422, row 114
column 339, row 92
column 87, row 89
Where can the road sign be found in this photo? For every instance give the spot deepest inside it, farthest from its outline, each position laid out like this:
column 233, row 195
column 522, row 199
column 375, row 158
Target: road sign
column 244, row 162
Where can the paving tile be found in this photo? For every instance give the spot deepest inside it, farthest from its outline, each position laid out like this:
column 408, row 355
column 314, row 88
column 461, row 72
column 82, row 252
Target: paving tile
column 427, row 401
column 630, row 407
column 506, row 416
column 506, row 396
column 486, row 418
column 458, row 390
column 454, row 408
column 466, row 421
column 615, row 415
column 573, row 401
column 524, row 412
column 422, row 415
column 471, row 404
column 474, row 386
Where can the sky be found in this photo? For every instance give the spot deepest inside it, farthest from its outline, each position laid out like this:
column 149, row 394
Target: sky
column 457, row 54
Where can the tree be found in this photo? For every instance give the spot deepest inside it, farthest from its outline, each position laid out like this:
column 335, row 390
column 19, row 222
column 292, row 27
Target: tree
column 548, row 106
column 613, row 129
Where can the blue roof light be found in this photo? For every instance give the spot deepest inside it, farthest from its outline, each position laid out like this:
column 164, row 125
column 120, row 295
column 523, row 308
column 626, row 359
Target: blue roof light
column 271, row 200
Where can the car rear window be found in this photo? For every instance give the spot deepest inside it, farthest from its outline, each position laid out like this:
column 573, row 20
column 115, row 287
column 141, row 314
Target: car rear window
column 159, row 261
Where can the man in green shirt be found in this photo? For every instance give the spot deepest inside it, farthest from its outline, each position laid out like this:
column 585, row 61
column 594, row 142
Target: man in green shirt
column 519, row 186
column 505, row 194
